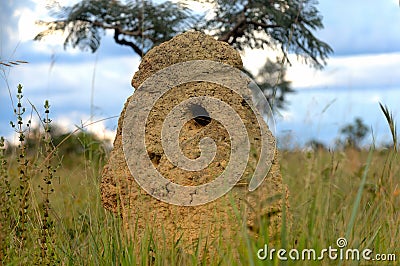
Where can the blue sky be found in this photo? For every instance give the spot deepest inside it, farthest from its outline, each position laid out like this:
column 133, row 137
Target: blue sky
column 364, row 70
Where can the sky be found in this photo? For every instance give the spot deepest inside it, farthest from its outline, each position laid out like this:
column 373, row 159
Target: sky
column 83, row 87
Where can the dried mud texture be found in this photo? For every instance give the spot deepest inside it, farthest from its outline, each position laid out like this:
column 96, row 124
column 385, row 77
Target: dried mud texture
column 213, row 223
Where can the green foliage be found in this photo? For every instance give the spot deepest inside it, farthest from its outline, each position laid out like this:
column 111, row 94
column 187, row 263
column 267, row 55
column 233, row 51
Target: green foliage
column 271, row 80
column 286, row 25
column 81, row 143
column 332, row 184
column 6, row 198
column 315, row 145
column 137, row 24
column 46, row 240
column 24, row 174
column 70, row 145
column 28, row 230
column 86, row 234
column 354, row 133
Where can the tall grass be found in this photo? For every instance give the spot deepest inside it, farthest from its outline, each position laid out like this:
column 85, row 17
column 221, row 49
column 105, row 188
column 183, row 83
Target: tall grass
column 392, row 126
column 51, row 211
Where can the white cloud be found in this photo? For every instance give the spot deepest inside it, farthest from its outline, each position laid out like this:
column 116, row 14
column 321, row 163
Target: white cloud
column 28, row 28
column 286, row 116
column 77, row 121
column 375, row 98
column 254, row 59
column 74, row 122
column 347, row 72
column 68, row 88
column 362, row 71
column 26, row 25
column 101, row 131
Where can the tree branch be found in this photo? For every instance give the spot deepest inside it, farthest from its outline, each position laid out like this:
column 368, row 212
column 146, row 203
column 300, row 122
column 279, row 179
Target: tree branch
column 263, row 25
column 110, row 27
column 234, row 32
column 310, row 54
column 122, row 41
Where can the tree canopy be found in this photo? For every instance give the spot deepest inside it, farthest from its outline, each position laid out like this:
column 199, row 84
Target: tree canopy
column 288, row 26
column 354, row 133
column 139, row 25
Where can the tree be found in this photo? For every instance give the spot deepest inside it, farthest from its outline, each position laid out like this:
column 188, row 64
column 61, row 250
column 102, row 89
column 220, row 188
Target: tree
column 284, row 25
column 271, row 80
column 139, row 25
column 354, row 133
column 316, row 145
column 69, row 144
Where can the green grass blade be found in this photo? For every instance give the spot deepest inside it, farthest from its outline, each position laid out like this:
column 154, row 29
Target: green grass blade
column 359, row 195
